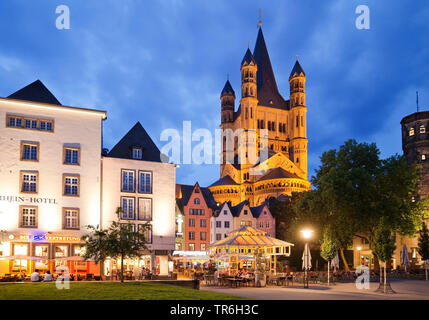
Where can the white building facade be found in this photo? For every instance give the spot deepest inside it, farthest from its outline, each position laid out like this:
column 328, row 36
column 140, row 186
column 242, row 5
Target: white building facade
column 54, row 182
column 221, row 223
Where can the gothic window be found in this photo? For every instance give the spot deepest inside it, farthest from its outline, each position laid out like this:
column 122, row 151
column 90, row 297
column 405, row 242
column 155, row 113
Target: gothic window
column 302, row 121
column 297, row 121
column 280, row 127
column 284, row 127
column 251, row 112
column 269, row 125
column 302, row 100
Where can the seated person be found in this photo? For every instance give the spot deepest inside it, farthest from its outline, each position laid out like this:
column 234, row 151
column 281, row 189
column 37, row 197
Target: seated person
column 48, row 276
column 35, row 276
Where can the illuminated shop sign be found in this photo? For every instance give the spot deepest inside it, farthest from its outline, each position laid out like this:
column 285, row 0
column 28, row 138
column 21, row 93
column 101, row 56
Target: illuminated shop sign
column 44, row 237
column 34, row 200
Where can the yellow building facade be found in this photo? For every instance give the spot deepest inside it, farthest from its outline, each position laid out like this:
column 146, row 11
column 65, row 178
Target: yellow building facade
column 264, row 141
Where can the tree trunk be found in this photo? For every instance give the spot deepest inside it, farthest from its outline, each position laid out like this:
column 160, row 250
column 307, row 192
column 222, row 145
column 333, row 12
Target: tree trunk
column 122, row 268
column 385, row 278
column 346, row 266
column 329, row 267
column 381, row 275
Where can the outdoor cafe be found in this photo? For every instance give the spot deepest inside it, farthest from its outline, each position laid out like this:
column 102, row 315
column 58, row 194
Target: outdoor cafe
column 246, row 254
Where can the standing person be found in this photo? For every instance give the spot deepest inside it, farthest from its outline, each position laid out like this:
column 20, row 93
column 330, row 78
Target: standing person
column 35, row 276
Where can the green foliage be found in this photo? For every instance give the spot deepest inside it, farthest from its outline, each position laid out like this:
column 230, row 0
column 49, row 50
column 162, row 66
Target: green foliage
column 120, row 240
column 356, row 191
column 384, row 243
column 424, row 242
column 329, row 246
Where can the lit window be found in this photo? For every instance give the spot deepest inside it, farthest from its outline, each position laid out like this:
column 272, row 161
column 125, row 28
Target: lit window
column 61, row 251
column 411, row 132
column 192, row 247
column 71, row 185
column 147, row 231
column 145, row 182
column 423, row 157
column 29, row 182
column 145, row 209
column 28, row 217
column 128, row 181
column 422, row 129
column 137, row 153
column 41, row 250
column 30, row 152
column 71, row 218
column 71, row 156
column 128, row 208
column 203, row 247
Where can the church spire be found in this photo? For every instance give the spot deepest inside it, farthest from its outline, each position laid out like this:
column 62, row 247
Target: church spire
column 268, row 93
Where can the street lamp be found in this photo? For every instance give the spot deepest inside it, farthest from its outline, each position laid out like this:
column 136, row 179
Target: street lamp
column 306, row 234
column 360, row 260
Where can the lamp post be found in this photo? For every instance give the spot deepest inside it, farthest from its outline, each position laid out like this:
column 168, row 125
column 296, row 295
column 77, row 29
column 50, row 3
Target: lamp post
column 306, row 234
column 359, row 258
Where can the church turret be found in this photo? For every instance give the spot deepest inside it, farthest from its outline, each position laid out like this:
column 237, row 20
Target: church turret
column 298, row 121
column 227, row 98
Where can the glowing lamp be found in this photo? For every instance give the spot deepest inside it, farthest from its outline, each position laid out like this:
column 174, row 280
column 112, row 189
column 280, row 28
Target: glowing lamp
column 358, row 248
column 307, row 233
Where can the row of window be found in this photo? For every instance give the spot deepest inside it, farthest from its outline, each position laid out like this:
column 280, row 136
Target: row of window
column 129, row 183
column 196, row 212
column 226, row 224
column 42, row 250
column 422, row 129
column 29, row 123
column 191, row 247
column 271, row 126
column 147, row 232
column 143, row 212
column 30, row 152
column 203, row 223
column 29, row 217
column 30, row 183
column 203, row 235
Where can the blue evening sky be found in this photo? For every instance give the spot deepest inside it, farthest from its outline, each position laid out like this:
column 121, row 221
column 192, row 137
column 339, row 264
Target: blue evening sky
column 162, row 62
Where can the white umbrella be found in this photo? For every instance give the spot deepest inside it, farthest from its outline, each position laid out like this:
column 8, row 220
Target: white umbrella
column 404, row 257
column 306, row 258
column 335, row 263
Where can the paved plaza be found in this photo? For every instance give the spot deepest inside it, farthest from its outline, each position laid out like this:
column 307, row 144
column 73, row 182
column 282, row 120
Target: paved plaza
column 405, row 290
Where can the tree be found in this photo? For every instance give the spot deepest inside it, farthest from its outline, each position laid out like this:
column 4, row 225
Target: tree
column 383, row 249
column 120, row 240
column 96, row 245
column 424, row 246
column 355, row 190
column 329, row 249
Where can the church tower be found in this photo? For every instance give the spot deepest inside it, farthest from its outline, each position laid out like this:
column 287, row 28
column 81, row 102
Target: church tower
column 298, row 118
column 227, row 98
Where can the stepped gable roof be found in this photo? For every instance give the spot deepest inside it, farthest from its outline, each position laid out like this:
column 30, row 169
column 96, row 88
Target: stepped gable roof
column 35, row 92
column 224, row 181
column 268, row 93
column 256, row 211
column 137, row 137
column 278, row 173
column 187, row 190
column 235, row 210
